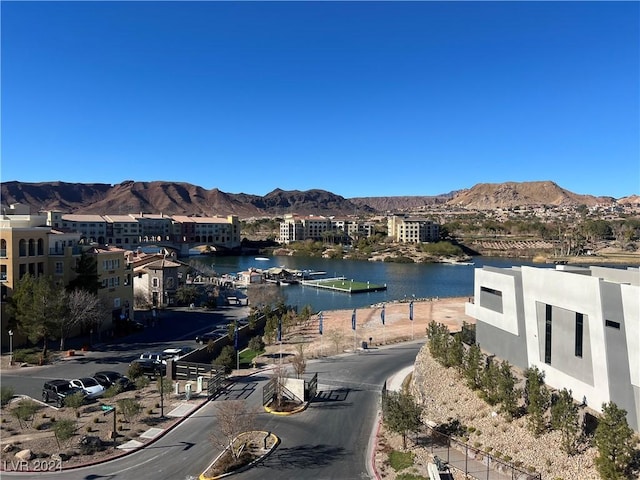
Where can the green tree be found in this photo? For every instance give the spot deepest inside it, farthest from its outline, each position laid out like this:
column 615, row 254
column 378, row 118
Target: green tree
column 86, row 275
column 38, row 305
column 226, row 358
column 187, row 294
column 256, row 344
column 565, row 418
column 536, row 400
column 473, row 366
column 507, row 391
column 489, row 381
column 64, row 430
column 615, row 442
column 401, row 414
column 455, row 352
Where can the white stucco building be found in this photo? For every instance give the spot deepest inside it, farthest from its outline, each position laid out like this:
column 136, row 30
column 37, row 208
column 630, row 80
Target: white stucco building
column 579, row 325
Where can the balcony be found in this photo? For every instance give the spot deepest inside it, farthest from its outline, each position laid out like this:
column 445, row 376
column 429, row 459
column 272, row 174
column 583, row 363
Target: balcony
column 62, row 250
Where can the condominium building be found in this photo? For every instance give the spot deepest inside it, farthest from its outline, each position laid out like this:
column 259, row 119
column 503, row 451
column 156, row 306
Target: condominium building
column 579, row 325
column 217, row 231
column 405, row 229
column 296, row 228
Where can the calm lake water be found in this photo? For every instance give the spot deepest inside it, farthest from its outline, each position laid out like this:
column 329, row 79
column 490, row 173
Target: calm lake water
column 403, row 280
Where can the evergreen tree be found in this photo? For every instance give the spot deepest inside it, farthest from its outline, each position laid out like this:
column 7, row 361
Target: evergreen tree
column 227, row 358
column 401, row 414
column 37, row 306
column 489, row 380
column 614, row 440
column 455, row 352
column 507, row 392
column 86, row 275
column 536, row 400
column 473, row 366
column 564, row 417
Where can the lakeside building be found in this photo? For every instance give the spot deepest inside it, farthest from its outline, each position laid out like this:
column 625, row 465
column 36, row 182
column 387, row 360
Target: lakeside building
column 132, row 230
column 29, row 244
column 578, row 325
column 407, row 229
column 296, row 228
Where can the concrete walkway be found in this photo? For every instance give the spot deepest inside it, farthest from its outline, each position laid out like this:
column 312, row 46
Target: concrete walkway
column 456, row 459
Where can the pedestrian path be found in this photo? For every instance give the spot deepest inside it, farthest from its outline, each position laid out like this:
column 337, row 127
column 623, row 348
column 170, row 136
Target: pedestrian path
column 481, row 469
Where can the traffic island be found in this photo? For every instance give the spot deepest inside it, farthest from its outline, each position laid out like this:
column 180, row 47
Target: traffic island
column 249, row 448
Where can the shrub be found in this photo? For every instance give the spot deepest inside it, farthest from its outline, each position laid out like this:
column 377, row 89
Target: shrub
column 134, row 371
column 64, row 430
column 6, row 394
column 400, row 460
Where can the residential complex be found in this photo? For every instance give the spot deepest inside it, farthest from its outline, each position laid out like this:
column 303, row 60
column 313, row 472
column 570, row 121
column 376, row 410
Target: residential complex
column 401, row 228
column 408, row 229
column 579, row 325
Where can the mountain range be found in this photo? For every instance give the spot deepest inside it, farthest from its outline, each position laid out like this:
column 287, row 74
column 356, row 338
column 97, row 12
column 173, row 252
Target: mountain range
column 177, row 198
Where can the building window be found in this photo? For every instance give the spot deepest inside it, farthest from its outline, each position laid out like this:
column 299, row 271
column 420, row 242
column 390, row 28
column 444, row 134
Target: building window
column 547, row 334
column 612, row 324
column 154, row 282
column 59, row 268
column 491, row 299
column 579, row 332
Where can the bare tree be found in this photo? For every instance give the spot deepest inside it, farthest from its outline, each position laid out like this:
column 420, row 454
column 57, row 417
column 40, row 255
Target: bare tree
column 264, row 294
column 233, row 417
column 280, row 376
column 83, row 308
column 299, row 361
column 337, row 338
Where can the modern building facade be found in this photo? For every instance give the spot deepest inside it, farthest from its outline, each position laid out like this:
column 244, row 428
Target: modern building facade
column 579, row 325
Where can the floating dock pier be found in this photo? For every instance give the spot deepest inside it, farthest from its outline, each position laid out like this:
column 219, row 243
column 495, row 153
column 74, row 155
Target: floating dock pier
column 341, row 284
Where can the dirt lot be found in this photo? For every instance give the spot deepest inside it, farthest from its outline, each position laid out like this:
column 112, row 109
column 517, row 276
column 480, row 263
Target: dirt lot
column 339, row 337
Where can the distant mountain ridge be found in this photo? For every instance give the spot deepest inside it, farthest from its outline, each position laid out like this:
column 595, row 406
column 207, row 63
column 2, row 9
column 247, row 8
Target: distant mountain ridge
column 179, row 198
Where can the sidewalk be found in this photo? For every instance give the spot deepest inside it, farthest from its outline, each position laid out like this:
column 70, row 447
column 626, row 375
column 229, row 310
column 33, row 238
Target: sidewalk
column 457, row 460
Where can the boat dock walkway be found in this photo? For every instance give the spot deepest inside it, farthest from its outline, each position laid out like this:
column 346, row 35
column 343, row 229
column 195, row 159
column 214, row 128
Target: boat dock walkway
column 341, row 284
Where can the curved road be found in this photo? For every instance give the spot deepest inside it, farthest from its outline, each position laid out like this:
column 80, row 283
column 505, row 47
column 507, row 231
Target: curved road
column 329, row 440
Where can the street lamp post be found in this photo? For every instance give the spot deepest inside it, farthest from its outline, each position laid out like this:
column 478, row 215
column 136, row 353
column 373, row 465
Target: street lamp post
column 10, row 347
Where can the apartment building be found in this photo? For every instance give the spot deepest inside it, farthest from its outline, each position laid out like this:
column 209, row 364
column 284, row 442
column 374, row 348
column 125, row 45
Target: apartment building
column 579, row 325
column 221, row 232
column 295, row 228
column 406, row 229
column 115, row 277
column 157, row 227
column 29, row 246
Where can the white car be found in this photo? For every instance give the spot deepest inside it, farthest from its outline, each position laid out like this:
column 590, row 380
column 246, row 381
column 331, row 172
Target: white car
column 90, row 385
column 176, row 353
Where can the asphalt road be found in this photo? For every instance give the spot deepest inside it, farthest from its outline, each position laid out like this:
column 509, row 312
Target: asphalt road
column 176, row 328
column 329, row 440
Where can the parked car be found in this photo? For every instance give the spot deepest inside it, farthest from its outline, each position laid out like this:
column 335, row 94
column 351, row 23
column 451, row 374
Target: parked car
column 57, row 390
column 155, row 356
column 108, row 379
column 150, row 367
column 90, row 385
column 219, row 332
column 176, row 353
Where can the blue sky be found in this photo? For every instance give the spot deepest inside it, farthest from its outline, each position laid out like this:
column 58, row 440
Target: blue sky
column 357, row 98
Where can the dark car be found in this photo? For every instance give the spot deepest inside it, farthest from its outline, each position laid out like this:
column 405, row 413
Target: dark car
column 150, row 368
column 57, row 390
column 109, row 378
column 219, row 332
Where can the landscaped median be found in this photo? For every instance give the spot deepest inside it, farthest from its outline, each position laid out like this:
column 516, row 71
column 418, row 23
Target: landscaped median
column 253, row 447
